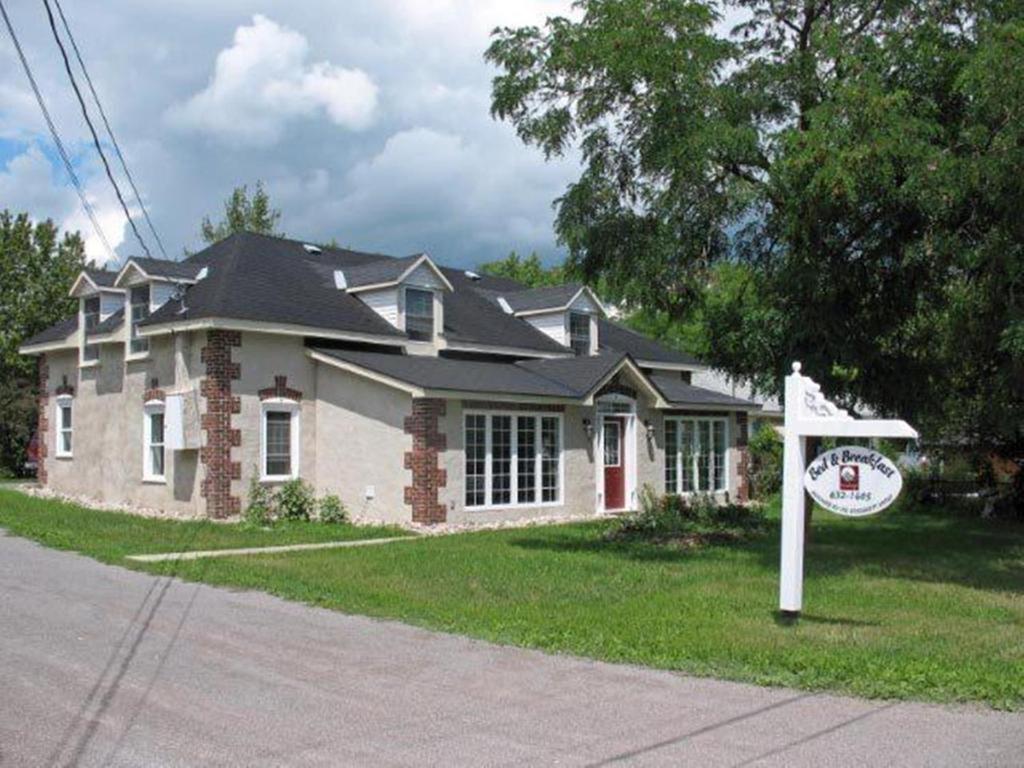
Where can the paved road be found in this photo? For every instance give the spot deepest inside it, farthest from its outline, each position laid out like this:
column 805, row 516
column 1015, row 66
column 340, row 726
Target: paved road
column 103, row 666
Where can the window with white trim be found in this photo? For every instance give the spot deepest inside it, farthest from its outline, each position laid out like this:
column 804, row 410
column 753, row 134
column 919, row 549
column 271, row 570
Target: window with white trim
column 513, row 459
column 64, row 427
column 139, row 310
column 419, row 314
column 91, row 318
column 579, row 333
column 279, row 445
column 695, row 451
column 154, row 458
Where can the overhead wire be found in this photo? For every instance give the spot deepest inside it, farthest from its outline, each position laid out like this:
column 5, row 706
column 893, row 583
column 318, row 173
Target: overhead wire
column 61, row 150
column 106, row 124
column 92, row 129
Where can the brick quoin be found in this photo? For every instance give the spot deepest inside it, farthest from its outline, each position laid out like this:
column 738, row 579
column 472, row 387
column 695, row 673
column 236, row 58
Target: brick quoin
column 427, row 477
column 215, row 455
column 43, row 427
column 743, row 481
column 280, row 389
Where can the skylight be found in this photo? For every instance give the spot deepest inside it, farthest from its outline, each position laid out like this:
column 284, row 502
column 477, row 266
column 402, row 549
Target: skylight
column 472, row 275
column 312, row 248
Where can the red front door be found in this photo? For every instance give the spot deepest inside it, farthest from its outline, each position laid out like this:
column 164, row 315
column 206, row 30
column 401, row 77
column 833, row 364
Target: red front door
column 614, row 462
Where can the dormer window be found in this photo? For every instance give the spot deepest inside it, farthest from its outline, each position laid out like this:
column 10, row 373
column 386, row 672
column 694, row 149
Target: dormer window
column 579, row 333
column 139, row 312
column 90, row 319
column 419, row 314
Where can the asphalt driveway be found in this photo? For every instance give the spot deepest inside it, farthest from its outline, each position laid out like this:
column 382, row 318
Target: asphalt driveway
column 104, row 666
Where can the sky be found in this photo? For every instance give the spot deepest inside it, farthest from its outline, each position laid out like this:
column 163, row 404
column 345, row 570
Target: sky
column 368, row 122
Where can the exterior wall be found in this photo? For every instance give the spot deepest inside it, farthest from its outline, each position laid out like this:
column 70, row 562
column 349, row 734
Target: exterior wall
column 552, row 324
column 261, row 358
column 107, row 447
column 384, row 302
column 361, row 444
column 578, row 492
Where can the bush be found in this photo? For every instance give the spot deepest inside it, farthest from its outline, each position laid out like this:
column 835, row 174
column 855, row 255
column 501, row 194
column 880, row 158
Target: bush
column 687, row 520
column 295, row 500
column 259, row 510
column 765, row 462
column 330, row 509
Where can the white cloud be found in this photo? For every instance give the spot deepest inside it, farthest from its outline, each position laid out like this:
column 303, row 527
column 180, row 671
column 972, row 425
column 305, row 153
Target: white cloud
column 29, row 178
column 263, row 81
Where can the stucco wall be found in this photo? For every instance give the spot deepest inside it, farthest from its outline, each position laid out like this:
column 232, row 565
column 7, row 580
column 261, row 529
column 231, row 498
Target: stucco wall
column 261, row 357
column 361, row 443
column 106, row 464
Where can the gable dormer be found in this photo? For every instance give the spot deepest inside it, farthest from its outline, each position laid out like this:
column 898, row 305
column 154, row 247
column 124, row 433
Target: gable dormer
column 567, row 314
column 148, row 285
column 98, row 301
column 408, row 293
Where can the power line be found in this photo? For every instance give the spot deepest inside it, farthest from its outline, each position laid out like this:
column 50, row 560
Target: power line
column 56, row 137
column 106, row 123
column 92, row 129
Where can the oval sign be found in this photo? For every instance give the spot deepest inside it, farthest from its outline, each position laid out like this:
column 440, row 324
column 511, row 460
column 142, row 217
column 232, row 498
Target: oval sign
column 853, row 481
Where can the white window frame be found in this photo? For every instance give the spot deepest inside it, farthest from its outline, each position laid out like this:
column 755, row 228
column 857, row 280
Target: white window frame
column 678, row 458
column 59, row 405
column 151, row 408
column 280, row 405
column 590, row 331
column 83, row 360
column 130, row 322
column 514, row 460
column 433, row 310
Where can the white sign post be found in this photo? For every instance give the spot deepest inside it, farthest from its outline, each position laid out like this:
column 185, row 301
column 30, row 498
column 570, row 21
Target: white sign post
column 810, row 414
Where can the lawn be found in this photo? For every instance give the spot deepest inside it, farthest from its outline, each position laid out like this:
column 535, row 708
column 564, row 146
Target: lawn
column 109, row 536
column 902, row 605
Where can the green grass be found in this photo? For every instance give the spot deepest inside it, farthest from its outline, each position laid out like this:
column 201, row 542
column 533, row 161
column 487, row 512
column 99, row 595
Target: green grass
column 109, row 536
column 902, row 605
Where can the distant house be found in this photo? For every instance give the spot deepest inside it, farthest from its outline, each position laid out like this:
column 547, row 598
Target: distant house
column 771, row 411
column 414, row 391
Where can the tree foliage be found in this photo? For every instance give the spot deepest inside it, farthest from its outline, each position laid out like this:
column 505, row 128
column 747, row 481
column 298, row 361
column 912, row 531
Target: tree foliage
column 529, row 271
column 863, row 160
column 243, row 213
column 37, row 265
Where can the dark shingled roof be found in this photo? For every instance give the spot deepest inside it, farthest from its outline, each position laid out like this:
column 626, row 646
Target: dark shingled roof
column 678, row 392
column 169, row 268
column 102, row 277
column 112, row 323
column 548, row 297
column 384, row 270
column 56, row 332
column 618, row 337
column 457, row 375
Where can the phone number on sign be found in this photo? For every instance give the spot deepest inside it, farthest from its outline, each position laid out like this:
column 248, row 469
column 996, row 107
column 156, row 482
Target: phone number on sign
column 851, row 495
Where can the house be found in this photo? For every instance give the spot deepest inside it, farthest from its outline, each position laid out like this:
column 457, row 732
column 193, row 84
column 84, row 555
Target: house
column 413, row 391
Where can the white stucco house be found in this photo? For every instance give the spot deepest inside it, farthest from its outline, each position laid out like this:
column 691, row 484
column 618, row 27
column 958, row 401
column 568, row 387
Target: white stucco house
column 413, row 391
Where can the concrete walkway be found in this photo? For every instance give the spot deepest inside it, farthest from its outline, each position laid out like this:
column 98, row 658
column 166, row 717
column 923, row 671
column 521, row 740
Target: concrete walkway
column 103, row 666
column 200, row 554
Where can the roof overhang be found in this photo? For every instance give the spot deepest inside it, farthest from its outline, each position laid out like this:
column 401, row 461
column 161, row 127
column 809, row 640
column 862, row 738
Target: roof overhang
column 627, row 364
column 131, row 268
column 49, row 346
column 584, row 290
column 662, row 366
column 259, row 326
column 423, row 259
column 84, row 286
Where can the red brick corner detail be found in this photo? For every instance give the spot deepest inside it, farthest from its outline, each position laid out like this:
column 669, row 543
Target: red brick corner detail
column 427, row 477
column 215, row 455
column 43, row 426
column 280, row 389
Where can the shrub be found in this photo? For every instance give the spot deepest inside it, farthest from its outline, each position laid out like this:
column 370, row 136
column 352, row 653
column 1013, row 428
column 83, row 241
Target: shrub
column 259, row 509
column 295, row 500
column 765, row 462
column 330, row 509
column 687, row 520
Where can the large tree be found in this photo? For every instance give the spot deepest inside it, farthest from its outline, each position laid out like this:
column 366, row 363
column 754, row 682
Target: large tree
column 37, row 266
column 244, row 213
column 529, row 271
column 863, row 159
